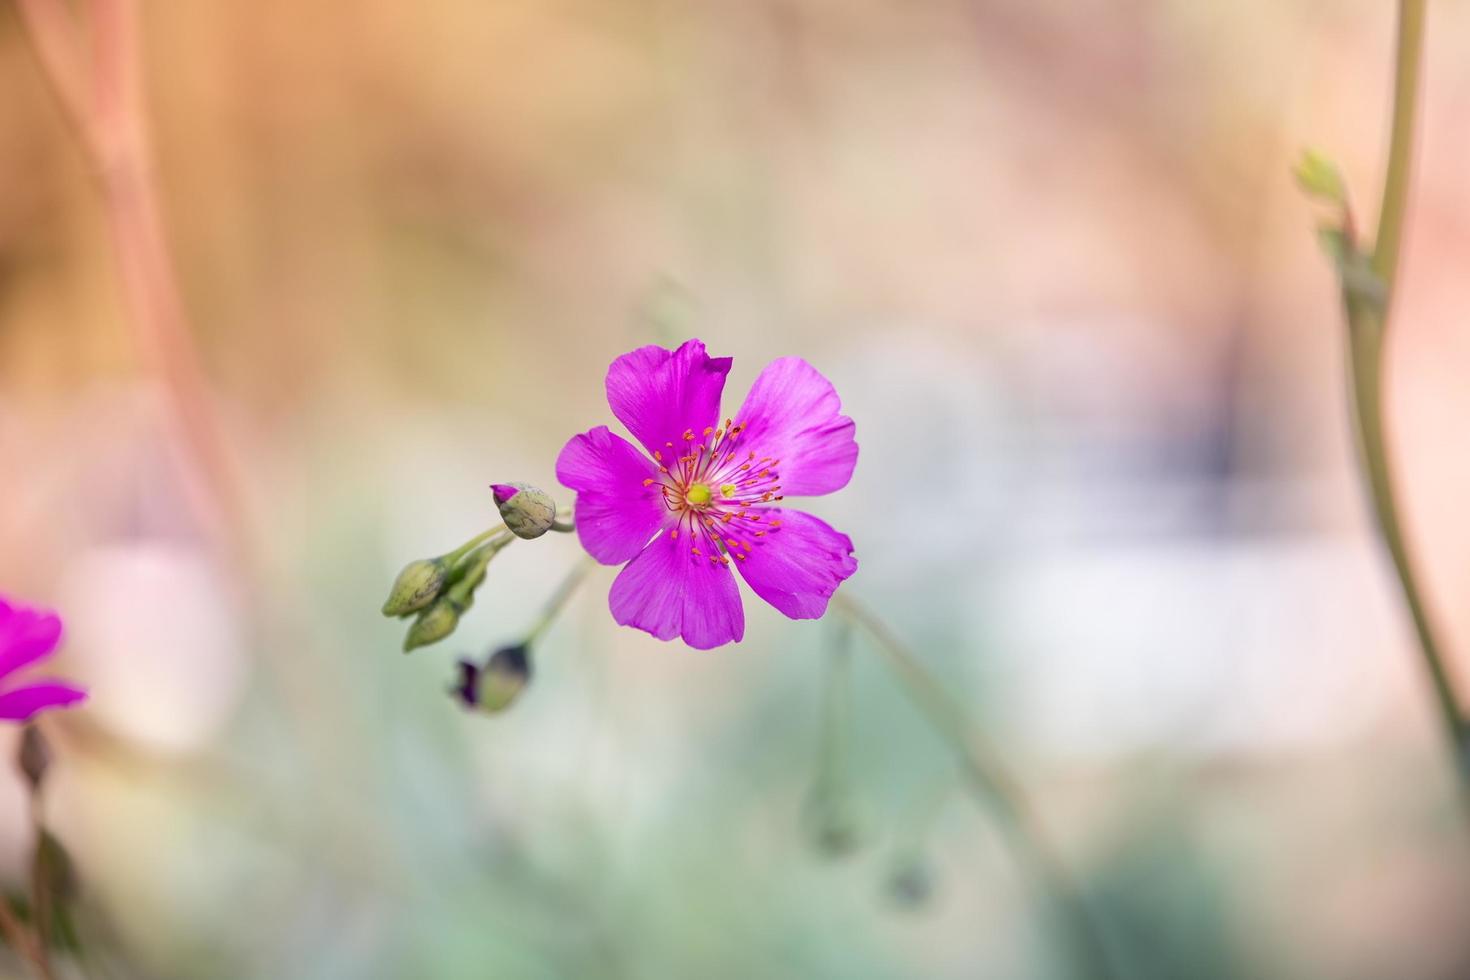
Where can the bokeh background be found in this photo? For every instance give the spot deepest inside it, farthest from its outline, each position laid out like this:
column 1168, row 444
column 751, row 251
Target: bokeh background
column 1050, row 254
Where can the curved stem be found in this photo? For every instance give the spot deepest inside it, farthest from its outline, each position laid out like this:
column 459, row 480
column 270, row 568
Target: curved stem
column 1366, row 368
column 40, row 888
column 21, row 942
column 454, row 557
column 994, row 787
column 1367, row 329
column 1401, row 141
column 101, row 94
column 560, row 597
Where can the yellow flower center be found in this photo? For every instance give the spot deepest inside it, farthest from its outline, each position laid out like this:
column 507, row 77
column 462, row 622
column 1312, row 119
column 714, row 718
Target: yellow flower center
column 698, row 494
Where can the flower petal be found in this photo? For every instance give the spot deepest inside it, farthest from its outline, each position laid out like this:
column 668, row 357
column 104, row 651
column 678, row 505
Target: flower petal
column 21, row 703
column 26, row 635
column 669, row 591
column 659, row 393
column 616, row 514
column 798, row 563
column 792, row 415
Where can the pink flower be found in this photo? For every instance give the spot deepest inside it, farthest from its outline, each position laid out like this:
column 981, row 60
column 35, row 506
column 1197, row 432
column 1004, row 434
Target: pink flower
column 709, row 499
column 26, row 637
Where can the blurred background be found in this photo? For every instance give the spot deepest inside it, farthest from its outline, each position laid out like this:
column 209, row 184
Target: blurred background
column 1050, row 255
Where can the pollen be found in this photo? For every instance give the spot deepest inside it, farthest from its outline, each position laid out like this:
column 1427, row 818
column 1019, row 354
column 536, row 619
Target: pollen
column 727, row 490
column 698, row 495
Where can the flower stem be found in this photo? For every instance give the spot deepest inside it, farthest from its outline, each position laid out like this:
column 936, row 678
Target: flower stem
column 559, row 598
column 21, row 942
column 455, row 556
column 40, row 890
column 1401, row 141
column 1367, row 330
column 101, row 95
column 993, row 787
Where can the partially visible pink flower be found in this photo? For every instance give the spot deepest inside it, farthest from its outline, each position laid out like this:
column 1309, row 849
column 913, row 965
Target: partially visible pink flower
column 28, row 636
column 710, row 498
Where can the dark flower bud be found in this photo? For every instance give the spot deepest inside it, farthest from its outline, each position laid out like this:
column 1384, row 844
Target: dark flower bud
column 528, row 511
column 417, row 586
column 467, row 689
column 498, row 684
column 910, row 882
column 831, row 822
column 433, row 625
column 504, row 677
column 34, row 757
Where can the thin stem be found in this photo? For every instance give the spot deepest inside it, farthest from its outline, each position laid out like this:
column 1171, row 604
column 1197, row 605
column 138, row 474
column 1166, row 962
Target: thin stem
column 1367, row 330
column 21, row 942
column 1366, row 367
column 559, row 598
column 453, row 558
column 1401, row 141
column 832, row 760
column 40, row 890
column 54, row 29
column 994, row 787
column 100, row 92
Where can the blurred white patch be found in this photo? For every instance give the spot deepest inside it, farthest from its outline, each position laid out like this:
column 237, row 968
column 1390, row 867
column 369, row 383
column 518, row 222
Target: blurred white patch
column 152, row 631
column 1251, row 646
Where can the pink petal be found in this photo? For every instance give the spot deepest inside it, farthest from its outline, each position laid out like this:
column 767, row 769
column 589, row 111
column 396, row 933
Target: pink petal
column 659, row 393
column 797, row 565
column 669, row 591
column 792, row 415
column 21, row 703
column 26, row 635
column 616, row 514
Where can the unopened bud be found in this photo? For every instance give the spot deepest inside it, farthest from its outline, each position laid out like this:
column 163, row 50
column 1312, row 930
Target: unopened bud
column 433, row 625
column 910, row 882
column 832, row 823
column 528, row 511
column 505, row 677
column 498, row 684
column 417, row 585
column 34, row 757
column 467, row 689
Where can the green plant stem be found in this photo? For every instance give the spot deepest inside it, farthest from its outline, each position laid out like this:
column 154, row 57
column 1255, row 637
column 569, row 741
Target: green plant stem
column 40, row 890
column 21, row 942
column 559, row 598
column 993, row 786
column 1365, row 356
column 1367, row 331
column 1401, row 140
column 454, row 557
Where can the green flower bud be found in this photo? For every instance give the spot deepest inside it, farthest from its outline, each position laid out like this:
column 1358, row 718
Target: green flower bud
column 528, row 511
column 433, row 625
column 417, row 586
